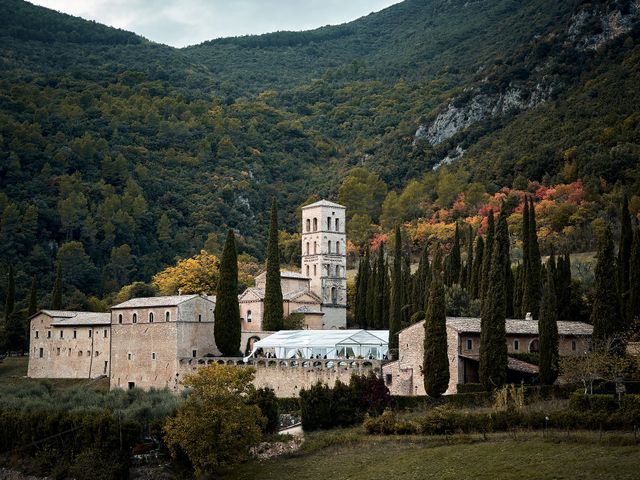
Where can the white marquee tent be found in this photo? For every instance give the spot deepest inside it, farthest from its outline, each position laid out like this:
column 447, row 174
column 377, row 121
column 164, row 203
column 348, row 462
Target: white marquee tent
column 325, row 343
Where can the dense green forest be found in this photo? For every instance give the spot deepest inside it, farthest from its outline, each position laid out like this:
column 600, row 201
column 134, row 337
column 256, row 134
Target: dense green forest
column 119, row 155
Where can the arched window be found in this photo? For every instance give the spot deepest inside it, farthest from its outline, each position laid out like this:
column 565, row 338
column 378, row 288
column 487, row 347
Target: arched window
column 315, row 271
column 315, row 224
column 516, row 345
column 120, row 319
column 334, row 295
column 337, row 246
column 329, row 245
column 308, row 225
column 167, row 317
column 249, row 317
column 315, row 248
column 534, row 346
column 337, row 224
column 150, row 317
column 328, row 223
column 307, row 270
column 135, row 318
column 307, row 248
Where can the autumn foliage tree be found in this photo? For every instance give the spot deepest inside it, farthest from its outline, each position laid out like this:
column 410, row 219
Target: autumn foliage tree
column 197, row 274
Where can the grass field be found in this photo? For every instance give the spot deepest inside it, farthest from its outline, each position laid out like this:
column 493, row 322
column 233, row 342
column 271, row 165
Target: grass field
column 581, row 456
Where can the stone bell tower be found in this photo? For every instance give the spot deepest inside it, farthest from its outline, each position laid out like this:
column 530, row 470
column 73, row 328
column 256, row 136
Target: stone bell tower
column 324, row 258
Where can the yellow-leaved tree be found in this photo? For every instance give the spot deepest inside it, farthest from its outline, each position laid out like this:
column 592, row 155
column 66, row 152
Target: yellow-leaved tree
column 197, row 274
column 216, row 426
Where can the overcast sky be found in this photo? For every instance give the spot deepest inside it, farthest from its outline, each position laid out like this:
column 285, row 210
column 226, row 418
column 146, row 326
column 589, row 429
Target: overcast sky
column 187, row 22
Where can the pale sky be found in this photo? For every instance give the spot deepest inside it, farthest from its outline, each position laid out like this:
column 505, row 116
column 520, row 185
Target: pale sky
column 188, row 22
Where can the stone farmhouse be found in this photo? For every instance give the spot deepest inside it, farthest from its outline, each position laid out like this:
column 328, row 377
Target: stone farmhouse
column 404, row 376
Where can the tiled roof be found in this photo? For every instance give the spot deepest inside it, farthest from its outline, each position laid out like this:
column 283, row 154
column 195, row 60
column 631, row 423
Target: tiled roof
column 324, row 203
column 59, row 313
column 145, row 302
column 518, row 327
column 286, row 274
column 83, row 318
column 288, row 296
column 512, row 364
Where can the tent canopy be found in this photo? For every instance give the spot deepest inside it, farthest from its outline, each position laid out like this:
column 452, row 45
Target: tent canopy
column 329, row 343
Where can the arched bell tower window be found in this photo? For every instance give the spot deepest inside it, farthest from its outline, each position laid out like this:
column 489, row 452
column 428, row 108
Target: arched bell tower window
column 307, row 248
column 337, row 246
column 337, row 224
column 315, row 248
column 334, row 295
column 308, row 225
column 329, row 245
column 315, row 224
column 329, row 223
column 150, row 317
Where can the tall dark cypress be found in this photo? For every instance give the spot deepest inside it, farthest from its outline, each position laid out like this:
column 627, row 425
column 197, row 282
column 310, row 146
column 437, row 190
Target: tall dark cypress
column 466, row 272
column 493, row 344
column 525, row 301
column 474, row 284
column 624, row 255
column 379, row 305
column 633, row 305
column 605, row 312
column 273, row 312
column 420, row 281
column 33, row 296
column 455, row 258
column 386, row 297
column 436, row 362
column 395, row 320
column 372, row 295
column 361, row 295
column 517, row 291
column 534, row 280
column 406, row 289
column 10, row 300
column 548, row 329
column 486, row 261
column 56, row 302
column 227, row 328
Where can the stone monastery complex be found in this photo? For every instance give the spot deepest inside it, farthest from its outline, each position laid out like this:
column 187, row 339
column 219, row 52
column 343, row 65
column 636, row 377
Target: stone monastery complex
column 153, row 342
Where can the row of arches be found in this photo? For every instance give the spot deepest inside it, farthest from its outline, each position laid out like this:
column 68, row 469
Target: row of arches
column 151, row 317
column 329, row 247
column 331, row 222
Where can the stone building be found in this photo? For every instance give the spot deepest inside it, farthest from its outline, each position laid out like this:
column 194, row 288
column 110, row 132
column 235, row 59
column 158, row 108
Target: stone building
column 65, row 344
column 404, row 376
column 324, row 258
column 151, row 335
column 296, row 297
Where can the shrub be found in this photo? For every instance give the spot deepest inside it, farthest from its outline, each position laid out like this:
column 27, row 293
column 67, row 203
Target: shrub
column 470, row 388
column 265, row 399
column 598, row 403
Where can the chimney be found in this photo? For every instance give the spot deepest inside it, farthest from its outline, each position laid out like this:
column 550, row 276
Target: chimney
column 528, row 316
column 180, row 292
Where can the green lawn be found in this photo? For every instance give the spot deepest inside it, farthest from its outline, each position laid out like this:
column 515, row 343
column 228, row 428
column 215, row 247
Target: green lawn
column 425, row 458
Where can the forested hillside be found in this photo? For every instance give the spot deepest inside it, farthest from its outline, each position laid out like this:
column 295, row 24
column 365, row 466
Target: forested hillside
column 119, row 155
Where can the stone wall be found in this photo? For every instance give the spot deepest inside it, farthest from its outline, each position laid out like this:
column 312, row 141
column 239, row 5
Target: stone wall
column 69, row 351
column 288, row 377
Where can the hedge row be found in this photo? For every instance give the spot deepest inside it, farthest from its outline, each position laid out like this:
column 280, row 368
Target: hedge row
column 443, row 420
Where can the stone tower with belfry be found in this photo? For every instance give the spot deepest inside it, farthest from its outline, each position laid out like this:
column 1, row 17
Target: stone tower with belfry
column 324, row 258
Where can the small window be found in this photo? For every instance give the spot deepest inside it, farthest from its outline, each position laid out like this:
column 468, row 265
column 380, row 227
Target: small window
column 97, row 353
column 38, row 333
column 89, row 333
column 315, row 248
column 308, row 225
column 315, row 224
column 307, row 248
column 129, row 356
column 315, row 271
column 469, row 344
column 61, row 333
column 88, row 353
column 516, row 345
column 75, row 334
column 80, row 353
column 106, row 333
column 388, row 379
column 131, row 385
column 199, row 317
column 338, row 247
column 167, row 317
column 307, row 270
column 41, row 352
column 153, row 355
column 194, row 353
column 120, row 319
column 574, row 345
column 58, row 351
column 150, row 317
column 49, row 334
column 135, row 318
column 249, row 316
column 328, row 223
column 337, row 224
column 329, row 244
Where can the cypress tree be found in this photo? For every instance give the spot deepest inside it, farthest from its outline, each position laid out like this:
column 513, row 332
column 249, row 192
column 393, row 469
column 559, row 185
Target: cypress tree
column 624, row 255
column 633, row 305
column 386, row 297
column 548, row 330
column 454, row 258
column 395, row 320
column 57, row 289
column 436, row 361
column 486, row 261
column 605, row 312
column 420, row 281
column 10, row 300
column 33, row 296
column 517, row 291
column 524, row 300
column 273, row 313
column 379, row 305
column 533, row 282
column 510, row 288
column 406, row 289
column 476, row 271
column 372, row 295
column 227, row 328
column 493, row 344
column 361, row 296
